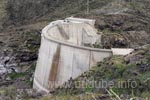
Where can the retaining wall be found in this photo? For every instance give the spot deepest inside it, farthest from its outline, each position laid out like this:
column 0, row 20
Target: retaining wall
column 60, row 60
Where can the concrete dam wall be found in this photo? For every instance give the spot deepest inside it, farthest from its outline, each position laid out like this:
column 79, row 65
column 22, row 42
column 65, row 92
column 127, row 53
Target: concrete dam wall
column 63, row 54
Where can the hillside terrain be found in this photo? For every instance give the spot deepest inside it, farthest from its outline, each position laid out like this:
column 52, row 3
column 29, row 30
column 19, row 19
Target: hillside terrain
column 123, row 23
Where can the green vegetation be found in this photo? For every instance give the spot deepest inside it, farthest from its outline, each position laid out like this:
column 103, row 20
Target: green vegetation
column 27, row 75
column 16, row 75
column 33, row 41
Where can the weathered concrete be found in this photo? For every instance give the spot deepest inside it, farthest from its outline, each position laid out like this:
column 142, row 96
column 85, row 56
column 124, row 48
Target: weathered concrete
column 62, row 54
column 121, row 51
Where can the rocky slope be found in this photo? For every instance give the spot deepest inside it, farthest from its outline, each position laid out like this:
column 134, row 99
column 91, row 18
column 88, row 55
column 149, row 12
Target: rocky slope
column 124, row 23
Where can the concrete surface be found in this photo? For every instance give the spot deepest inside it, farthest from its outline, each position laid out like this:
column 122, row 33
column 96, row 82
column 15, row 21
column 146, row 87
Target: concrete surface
column 63, row 54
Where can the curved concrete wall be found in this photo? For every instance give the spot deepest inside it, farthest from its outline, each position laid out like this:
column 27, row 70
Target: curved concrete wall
column 60, row 60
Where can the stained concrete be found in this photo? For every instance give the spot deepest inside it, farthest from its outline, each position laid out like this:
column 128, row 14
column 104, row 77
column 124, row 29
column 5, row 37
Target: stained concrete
column 63, row 54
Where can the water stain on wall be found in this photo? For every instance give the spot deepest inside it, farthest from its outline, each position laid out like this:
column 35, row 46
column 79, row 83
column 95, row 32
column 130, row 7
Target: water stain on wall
column 55, row 64
column 62, row 32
